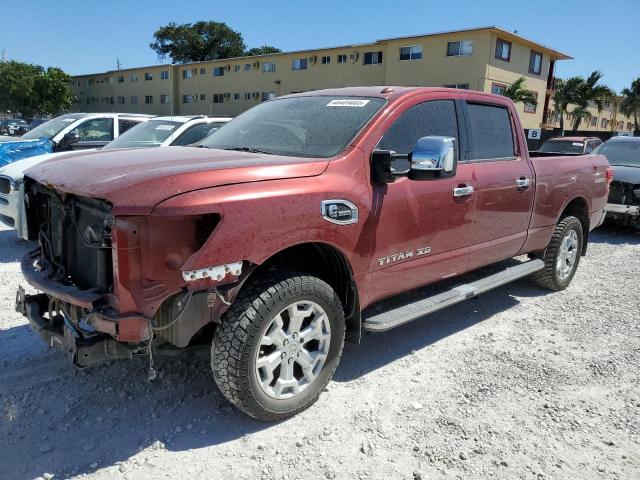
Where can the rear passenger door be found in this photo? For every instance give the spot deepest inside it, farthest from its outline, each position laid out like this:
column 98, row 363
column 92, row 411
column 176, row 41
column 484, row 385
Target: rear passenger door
column 503, row 184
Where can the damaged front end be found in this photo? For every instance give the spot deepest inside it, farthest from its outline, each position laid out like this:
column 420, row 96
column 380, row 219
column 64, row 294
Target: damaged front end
column 623, row 205
column 112, row 286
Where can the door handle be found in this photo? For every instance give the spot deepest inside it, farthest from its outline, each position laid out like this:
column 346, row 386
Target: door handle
column 463, row 191
column 523, row 183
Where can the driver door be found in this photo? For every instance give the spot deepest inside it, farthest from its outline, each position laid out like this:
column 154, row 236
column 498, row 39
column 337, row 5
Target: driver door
column 93, row 133
column 421, row 231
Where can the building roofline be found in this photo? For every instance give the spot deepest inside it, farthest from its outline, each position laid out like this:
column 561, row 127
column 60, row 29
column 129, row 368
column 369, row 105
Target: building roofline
column 556, row 55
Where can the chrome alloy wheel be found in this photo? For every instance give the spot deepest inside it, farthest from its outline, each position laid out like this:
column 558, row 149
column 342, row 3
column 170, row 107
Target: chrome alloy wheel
column 293, row 350
column 567, row 255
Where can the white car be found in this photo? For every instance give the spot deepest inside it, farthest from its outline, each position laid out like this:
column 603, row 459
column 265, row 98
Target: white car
column 154, row 132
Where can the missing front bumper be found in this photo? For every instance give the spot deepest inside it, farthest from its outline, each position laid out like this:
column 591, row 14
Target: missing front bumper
column 83, row 352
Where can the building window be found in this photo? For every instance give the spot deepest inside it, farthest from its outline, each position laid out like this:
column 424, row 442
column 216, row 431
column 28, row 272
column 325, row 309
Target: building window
column 148, row 76
column 203, row 71
column 218, row 98
column 462, row 48
column 236, row 96
column 203, row 97
column 299, row 64
column 134, row 99
column 247, row 96
column 188, row 98
column 535, row 63
column 268, row 67
column 629, row 126
column 411, row 52
column 236, row 68
column 603, row 123
column 503, row 50
column 531, row 107
column 460, row 86
column 164, row 99
column 120, row 100
column 594, row 121
column 187, row 73
column 498, row 89
column 120, row 78
column 218, row 72
column 342, row 58
column 247, row 67
column 620, row 125
column 133, row 77
column 164, row 75
column 268, row 96
column 148, row 99
column 372, row 58
column 326, row 59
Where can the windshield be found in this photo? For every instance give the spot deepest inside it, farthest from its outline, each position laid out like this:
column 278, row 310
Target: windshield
column 562, row 146
column 314, row 126
column 146, row 134
column 51, row 128
column 623, row 154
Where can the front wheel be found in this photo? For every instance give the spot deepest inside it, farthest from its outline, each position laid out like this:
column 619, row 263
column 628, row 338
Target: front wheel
column 562, row 255
column 278, row 346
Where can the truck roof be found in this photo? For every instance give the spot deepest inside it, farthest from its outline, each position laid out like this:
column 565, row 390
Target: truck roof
column 386, row 91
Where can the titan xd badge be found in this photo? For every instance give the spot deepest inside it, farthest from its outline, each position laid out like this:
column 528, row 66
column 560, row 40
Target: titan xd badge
column 396, row 257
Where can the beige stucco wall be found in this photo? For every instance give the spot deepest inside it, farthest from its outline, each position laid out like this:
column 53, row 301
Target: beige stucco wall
column 609, row 112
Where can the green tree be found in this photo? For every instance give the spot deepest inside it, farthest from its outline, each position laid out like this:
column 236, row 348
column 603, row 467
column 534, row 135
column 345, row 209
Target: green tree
column 197, row 42
column 518, row 93
column 567, row 93
column 579, row 113
column 30, row 89
column 263, row 50
column 592, row 90
column 630, row 104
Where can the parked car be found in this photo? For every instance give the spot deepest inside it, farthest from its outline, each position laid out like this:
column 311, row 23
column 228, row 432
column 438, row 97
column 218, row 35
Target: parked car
column 36, row 122
column 569, row 145
column 623, row 153
column 9, row 126
column 156, row 132
column 17, row 127
column 73, row 131
column 270, row 240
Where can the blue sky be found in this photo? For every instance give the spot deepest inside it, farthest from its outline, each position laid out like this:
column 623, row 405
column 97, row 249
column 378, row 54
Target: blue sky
column 86, row 37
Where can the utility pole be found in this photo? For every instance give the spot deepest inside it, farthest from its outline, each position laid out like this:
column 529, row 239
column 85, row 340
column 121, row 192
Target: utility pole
column 4, row 54
column 118, row 65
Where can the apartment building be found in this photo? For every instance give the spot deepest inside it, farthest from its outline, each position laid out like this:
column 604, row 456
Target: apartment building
column 608, row 120
column 486, row 59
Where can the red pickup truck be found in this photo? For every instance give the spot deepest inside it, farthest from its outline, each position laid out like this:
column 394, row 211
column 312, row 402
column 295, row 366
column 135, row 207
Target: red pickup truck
column 269, row 242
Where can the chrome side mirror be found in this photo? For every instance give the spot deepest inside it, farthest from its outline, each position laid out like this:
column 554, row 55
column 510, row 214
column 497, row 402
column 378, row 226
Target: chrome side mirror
column 433, row 157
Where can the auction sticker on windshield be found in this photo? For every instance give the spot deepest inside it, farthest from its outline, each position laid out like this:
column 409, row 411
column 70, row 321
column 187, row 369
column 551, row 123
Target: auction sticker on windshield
column 165, row 127
column 347, row 103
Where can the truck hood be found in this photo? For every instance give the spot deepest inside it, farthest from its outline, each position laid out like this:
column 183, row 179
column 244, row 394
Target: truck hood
column 626, row 174
column 16, row 169
column 136, row 180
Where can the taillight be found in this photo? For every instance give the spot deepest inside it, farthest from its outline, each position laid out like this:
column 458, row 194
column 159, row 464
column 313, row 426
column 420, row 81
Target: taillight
column 609, row 178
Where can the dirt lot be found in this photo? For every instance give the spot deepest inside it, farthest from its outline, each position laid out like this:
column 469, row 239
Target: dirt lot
column 518, row 383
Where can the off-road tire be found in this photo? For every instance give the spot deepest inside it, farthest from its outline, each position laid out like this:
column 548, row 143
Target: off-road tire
column 548, row 277
column 236, row 341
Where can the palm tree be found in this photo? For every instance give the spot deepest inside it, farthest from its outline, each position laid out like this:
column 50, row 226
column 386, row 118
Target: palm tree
column 630, row 105
column 579, row 114
column 518, row 93
column 593, row 91
column 567, row 93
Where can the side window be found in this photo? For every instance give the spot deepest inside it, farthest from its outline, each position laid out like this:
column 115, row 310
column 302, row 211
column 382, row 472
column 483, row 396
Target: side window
column 96, row 130
column 436, row 117
column 589, row 147
column 194, row 134
column 124, row 125
column 491, row 133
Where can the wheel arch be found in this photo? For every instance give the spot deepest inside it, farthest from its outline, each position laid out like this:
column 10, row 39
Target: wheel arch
column 579, row 208
column 328, row 263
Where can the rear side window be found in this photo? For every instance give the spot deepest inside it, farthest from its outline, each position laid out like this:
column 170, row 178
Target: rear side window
column 195, row 134
column 437, row 117
column 491, row 133
column 124, row 125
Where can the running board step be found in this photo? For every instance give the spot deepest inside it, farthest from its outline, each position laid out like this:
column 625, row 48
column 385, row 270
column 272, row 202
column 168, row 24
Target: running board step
column 418, row 309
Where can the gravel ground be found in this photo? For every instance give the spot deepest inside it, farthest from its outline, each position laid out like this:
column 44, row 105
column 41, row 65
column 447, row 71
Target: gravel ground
column 518, row 383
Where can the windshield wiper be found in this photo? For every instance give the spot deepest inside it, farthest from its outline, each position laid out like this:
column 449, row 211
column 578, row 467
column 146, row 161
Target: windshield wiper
column 248, row 149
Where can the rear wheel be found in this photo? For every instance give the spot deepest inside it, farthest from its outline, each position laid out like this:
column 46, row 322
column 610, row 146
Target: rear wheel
column 279, row 345
column 562, row 255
